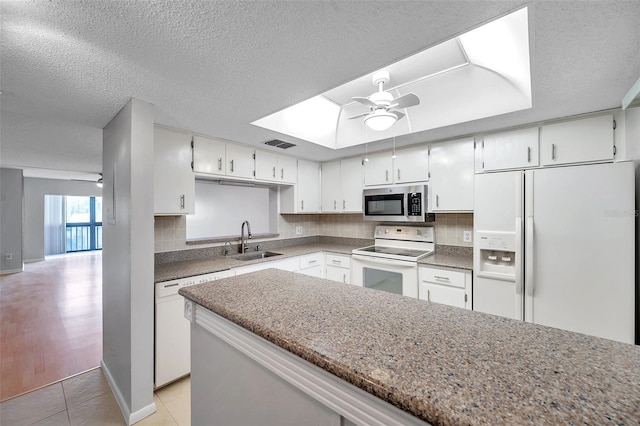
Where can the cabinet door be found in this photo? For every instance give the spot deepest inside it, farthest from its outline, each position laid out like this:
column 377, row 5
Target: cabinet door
column 351, row 174
column 208, row 156
column 589, row 139
column 308, row 187
column 451, row 296
column 451, row 165
column 174, row 180
column 340, row 275
column 287, row 169
column 412, row 164
column 240, row 162
column 510, row 150
column 266, row 165
column 330, row 188
column 315, row 271
column 379, row 169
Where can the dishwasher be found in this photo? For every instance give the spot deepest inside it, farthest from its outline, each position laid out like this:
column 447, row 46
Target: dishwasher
column 172, row 340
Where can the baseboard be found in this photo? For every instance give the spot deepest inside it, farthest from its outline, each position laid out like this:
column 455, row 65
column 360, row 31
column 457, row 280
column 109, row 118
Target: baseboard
column 129, row 417
column 34, row 260
column 11, row 271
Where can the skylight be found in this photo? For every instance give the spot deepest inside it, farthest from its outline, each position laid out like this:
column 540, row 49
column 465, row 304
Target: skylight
column 481, row 73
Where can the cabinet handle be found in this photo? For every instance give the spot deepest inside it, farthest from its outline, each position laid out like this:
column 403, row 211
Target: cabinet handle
column 398, row 174
column 553, row 151
column 441, row 278
column 386, row 175
column 302, row 205
column 182, row 202
column 344, row 278
column 335, row 205
column 231, row 166
column 312, row 261
column 344, row 205
column 281, row 173
column 429, row 295
column 528, row 154
column 274, row 172
column 338, row 262
column 220, row 164
column 437, row 200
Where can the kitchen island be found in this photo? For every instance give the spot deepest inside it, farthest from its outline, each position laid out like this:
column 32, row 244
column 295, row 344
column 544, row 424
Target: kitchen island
column 439, row 364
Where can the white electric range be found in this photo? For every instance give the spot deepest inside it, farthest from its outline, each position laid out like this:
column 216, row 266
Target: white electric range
column 391, row 264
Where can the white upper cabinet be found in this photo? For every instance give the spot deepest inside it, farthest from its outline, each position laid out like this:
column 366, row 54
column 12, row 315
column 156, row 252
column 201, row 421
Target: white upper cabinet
column 331, row 187
column 304, row 197
column 208, row 156
column 451, row 184
column 240, row 161
column 411, row 164
column 287, row 169
column 584, row 140
column 517, row 149
column 267, row 166
column 342, row 186
column 174, row 180
column 351, row 175
column 379, row 169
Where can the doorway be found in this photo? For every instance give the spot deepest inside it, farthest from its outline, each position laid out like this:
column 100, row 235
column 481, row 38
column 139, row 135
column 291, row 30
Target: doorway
column 72, row 224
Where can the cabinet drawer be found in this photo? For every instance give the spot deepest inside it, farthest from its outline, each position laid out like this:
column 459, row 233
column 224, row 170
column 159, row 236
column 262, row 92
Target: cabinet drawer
column 311, row 260
column 442, row 277
column 338, row 261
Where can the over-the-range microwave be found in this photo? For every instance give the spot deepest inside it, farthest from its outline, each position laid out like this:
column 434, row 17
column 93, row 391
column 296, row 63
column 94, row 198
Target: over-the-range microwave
column 396, row 204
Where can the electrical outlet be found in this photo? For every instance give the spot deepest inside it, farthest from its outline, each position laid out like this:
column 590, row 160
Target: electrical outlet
column 8, row 256
column 299, row 230
column 466, row 236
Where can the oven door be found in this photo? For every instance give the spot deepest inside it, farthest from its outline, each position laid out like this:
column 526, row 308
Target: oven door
column 390, row 275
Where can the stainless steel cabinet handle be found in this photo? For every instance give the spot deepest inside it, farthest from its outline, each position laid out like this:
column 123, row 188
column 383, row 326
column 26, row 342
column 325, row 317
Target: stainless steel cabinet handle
column 274, row 172
column 338, row 262
column 344, row 278
column 437, row 201
column 528, row 154
column 398, row 174
column 335, row 205
column 312, row 261
column 441, row 278
column 231, row 166
column 429, row 295
column 220, row 164
column 281, row 173
column 182, row 202
column 386, row 175
column 302, row 205
column 344, row 205
column 553, row 151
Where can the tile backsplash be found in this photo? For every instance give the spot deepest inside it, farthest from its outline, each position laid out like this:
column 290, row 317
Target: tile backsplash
column 171, row 231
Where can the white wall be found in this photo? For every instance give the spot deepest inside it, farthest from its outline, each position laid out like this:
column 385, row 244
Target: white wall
column 11, row 208
column 34, row 191
column 127, row 259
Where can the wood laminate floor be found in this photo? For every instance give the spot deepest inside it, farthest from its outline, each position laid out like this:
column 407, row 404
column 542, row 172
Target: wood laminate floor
column 50, row 322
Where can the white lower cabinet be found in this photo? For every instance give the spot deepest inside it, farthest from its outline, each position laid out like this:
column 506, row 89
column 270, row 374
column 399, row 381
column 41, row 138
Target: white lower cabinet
column 312, row 265
column 289, row 264
column 445, row 285
column 338, row 268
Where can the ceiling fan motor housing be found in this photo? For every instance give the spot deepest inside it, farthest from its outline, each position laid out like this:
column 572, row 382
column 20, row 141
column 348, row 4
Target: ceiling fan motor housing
column 383, row 99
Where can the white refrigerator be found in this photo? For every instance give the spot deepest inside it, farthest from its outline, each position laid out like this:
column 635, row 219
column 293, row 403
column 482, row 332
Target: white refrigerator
column 556, row 247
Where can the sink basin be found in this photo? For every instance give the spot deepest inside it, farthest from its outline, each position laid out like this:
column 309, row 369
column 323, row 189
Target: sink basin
column 256, row 255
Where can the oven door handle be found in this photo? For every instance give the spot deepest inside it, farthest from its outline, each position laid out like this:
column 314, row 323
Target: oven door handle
column 381, row 261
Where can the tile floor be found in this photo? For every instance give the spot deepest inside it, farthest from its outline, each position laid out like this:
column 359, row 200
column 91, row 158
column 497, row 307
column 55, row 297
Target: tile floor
column 86, row 399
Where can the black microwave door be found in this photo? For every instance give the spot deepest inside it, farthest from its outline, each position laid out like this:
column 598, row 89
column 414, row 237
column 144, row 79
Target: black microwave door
column 384, row 205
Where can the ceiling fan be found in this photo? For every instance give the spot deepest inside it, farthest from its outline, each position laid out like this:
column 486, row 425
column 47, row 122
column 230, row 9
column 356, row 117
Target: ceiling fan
column 381, row 116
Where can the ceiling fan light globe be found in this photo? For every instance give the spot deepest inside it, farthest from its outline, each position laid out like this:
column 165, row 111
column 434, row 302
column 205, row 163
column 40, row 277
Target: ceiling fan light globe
column 380, row 120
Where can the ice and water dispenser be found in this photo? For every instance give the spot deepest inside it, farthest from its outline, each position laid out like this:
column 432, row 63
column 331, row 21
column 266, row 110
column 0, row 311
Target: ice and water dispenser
column 497, row 255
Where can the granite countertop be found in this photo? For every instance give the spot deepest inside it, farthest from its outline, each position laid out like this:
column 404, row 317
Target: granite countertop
column 450, row 260
column 188, row 268
column 442, row 364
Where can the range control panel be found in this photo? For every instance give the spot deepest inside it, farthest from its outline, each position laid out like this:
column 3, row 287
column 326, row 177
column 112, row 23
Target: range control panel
column 405, row 233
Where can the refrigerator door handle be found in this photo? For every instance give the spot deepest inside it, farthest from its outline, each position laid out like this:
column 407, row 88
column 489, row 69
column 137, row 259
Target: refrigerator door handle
column 519, row 283
column 529, row 278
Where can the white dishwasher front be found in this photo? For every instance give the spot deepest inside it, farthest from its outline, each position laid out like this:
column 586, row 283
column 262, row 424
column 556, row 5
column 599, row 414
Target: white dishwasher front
column 172, row 338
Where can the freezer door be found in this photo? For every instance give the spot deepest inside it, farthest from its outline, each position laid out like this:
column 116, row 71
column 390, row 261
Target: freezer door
column 498, row 209
column 580, row 249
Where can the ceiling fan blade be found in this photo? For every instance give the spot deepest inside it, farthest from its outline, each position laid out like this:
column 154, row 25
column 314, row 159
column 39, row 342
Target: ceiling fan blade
column 366, row 101
column 398, row 114
column 359, row 115
column 406, row 101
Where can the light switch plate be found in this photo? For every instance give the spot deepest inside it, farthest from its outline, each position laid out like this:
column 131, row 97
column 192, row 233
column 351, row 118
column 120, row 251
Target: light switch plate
column 466, row 236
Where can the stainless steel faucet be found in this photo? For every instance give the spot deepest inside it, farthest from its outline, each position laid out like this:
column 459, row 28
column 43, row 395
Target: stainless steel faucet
column 245, row 245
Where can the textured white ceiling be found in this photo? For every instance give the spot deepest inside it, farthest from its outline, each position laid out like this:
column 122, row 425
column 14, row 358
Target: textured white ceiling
column 67, row 67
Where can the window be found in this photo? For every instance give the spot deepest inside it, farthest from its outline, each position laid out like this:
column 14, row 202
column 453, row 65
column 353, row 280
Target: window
column 84, row 223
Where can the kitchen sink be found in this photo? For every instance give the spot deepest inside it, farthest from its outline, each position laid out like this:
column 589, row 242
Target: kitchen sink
column 256, row 255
